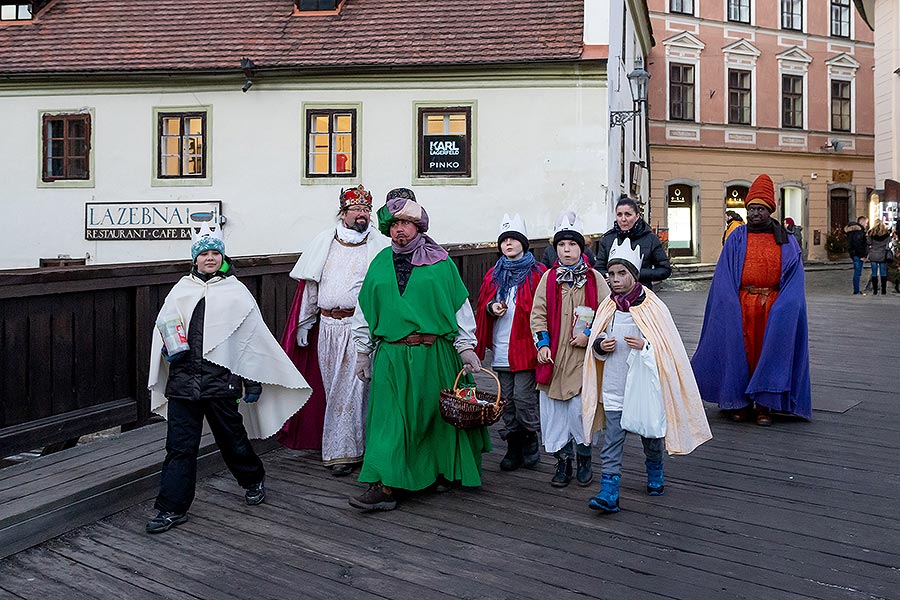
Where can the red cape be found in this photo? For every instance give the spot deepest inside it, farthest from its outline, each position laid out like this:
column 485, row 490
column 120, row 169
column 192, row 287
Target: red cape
column 522, row 354
column 303, row 431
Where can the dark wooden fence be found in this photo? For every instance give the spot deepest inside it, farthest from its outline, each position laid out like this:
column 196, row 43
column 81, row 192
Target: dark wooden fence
column 76, row 340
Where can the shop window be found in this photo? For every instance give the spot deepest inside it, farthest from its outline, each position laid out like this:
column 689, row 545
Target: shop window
column 331, row 142
column 792, row 15
column 66, row 147
column 679, row 216
column 681, row 92
column 840, row 18
column 735, row 196
column 840, row 105
column 445, row 142
column 792, row 204
column 182, row 146
column 739, row 97
column 792, row 101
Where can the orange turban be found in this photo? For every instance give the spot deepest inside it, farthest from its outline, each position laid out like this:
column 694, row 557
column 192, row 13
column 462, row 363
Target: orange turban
column 762, row 192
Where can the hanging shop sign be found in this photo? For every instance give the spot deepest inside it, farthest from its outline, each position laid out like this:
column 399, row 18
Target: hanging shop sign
column 445, row 155
column 112, row 221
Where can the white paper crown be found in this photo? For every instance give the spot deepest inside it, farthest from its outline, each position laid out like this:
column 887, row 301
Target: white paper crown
column 205, row 224
column 516, row 224
column 622, row 250
column 567, row 221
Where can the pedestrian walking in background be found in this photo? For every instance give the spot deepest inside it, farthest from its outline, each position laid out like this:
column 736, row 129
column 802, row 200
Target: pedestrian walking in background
column 502, row 320
column 564, row 306
column 858, row 247
column 637, row 377
column 753, row 351
column 629, row 224
column 794, row 230
column 732, row 221
column 879, row 242
column 226, row 350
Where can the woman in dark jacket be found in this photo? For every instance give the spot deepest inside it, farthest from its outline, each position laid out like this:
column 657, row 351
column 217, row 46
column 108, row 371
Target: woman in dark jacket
column 629, row 224
column 879, row 239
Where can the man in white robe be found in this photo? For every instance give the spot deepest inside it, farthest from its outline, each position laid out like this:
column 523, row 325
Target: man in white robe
column 331, row 271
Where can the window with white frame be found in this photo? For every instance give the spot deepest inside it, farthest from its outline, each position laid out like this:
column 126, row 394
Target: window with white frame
column 182, row 148
column 15, row 11
column 331, row 142
column 841, row 105
column 792, row 101
column 740, row 102
column 684, row 7
column 66, row 147
column 840, row 18
column 739, row 11
column 792, row 15
column 681, row 92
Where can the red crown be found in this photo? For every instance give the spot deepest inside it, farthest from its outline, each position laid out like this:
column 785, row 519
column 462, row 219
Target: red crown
column 357, row 196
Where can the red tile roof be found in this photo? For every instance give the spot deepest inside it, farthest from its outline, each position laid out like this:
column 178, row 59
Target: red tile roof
column 115, row 36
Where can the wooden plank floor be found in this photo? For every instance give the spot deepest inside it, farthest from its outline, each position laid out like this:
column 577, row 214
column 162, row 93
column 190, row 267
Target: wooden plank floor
column 798, row 510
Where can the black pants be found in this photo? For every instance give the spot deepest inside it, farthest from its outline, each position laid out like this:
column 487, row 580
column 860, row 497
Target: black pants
column 179, row 472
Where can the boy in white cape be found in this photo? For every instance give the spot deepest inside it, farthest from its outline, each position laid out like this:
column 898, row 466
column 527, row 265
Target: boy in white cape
column 225, row 351
column 633, row 335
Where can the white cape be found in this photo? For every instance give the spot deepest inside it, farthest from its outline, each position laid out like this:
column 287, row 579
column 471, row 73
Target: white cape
column 312, row 262
column 235, row 337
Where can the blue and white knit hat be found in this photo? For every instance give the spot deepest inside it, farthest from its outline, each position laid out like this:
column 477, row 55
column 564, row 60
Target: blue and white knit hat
column 206, row 235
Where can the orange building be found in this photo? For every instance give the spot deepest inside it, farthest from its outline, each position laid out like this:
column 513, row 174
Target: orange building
column 743, row 87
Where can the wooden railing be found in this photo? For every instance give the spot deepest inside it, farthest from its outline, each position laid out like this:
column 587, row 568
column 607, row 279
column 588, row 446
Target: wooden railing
column 76, row 340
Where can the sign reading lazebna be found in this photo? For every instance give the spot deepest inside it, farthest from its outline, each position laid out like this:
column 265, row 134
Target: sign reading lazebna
column 143, row 220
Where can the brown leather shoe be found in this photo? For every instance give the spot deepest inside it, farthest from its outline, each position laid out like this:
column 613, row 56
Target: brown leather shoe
column 742, row 414
column 374, row 498
column 763, row 416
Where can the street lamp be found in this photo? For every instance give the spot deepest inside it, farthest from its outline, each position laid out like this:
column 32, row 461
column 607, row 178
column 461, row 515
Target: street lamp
column 637, row 81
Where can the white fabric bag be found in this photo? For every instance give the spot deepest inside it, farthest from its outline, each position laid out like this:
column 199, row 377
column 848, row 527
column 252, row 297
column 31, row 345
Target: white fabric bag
column 643, row 412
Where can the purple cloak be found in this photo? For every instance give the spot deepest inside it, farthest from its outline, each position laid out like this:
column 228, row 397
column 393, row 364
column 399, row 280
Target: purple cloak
column 781, row 380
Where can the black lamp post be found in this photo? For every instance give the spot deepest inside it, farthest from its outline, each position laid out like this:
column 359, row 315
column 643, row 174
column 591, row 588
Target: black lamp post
column 637, row 81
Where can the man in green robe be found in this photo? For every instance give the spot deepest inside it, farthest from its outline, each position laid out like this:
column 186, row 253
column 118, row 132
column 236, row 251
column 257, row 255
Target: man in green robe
column 417, row 323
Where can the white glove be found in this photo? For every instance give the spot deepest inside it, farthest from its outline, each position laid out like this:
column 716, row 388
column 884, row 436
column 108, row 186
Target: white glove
column 363, row 366
column 470, row 361
column 302, row 337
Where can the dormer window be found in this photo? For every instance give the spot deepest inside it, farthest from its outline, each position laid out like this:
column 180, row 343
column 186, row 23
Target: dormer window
column 15, row 11
column 317, row 5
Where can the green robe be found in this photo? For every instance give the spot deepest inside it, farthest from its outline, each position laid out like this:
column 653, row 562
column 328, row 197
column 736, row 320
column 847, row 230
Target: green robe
column 408, row 443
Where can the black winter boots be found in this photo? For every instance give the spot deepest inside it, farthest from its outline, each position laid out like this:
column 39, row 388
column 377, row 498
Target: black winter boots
column 512, row 460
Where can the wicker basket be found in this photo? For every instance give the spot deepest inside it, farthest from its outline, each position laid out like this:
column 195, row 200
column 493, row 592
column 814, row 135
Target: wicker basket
column 467, row 415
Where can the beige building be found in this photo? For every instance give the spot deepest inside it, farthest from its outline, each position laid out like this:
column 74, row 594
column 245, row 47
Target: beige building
column 884, row 17
column 743, row 87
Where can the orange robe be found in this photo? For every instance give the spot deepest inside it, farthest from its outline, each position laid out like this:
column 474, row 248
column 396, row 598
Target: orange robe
column 759, row 289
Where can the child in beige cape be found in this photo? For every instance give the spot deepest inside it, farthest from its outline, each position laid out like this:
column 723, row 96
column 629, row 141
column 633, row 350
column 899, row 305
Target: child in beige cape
column 634, row 326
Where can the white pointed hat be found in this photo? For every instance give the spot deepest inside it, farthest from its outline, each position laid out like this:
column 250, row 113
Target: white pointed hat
column 513, row 227
column 568, row 227
column 621, row 252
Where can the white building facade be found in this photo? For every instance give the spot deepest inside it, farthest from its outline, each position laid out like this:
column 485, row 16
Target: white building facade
column 104, row 166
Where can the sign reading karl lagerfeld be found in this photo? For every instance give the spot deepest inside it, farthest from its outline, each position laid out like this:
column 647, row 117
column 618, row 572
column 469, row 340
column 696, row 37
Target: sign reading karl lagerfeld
column 143, row 220
column 445, row 155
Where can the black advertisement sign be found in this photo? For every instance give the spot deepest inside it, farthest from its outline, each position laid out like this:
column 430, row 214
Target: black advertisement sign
column 445, row 155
